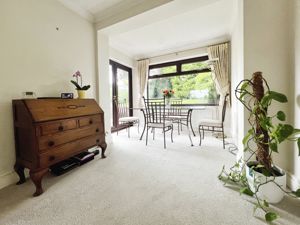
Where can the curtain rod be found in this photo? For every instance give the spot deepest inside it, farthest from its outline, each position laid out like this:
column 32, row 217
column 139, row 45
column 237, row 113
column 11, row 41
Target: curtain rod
column 176, row 53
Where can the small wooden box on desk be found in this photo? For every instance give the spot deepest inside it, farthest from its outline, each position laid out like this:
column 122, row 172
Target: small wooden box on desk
column 48, row 131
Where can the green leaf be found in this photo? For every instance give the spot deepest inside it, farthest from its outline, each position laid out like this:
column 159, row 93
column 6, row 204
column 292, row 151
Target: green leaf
column 297, row 193
column 270, row 216
column 246, row 138
column 265, row 203
column 244, row 86
column 76, row 84
column 246, row 191
column 86, row 87
column 258, row 166
column 284, row 131
column 277, row 96
column 280, row 115
column 266, row 172
column 298, row 143
column 273, row 146
column 265, row 101
column 263, row 124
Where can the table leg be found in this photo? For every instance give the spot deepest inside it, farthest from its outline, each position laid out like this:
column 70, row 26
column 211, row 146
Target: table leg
column 144, row 124
column 190, row 121
column 187, row 125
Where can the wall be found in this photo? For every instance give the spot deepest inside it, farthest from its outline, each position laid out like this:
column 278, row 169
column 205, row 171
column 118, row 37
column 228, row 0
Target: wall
column 103, row 81
column 35, row 56
column 237, row 74
column 267, row 49
column 295, row 162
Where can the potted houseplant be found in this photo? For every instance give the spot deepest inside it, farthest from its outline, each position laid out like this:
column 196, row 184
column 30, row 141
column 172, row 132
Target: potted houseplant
column 261, row 178
column 79, row 87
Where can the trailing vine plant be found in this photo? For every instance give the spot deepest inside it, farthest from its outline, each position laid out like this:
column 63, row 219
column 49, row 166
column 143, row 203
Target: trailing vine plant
column 262, row 139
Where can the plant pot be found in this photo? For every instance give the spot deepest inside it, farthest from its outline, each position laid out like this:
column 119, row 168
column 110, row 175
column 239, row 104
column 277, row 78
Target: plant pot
column 269, row 191
column 81, row 94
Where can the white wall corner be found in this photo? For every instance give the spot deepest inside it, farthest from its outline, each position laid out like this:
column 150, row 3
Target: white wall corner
column 8, row 179
column 292, row 182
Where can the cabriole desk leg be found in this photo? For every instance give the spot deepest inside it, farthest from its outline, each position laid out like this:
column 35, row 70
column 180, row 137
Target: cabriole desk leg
column 36, row 177
column 103, row 148
column 20, row 171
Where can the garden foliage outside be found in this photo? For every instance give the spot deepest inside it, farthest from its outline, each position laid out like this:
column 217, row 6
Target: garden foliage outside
column 196, row 88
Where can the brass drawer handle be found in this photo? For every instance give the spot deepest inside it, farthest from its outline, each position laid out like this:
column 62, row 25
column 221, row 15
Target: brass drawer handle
column 60, row 128
column 97, row 130
column 51, row 158
column 51, row 143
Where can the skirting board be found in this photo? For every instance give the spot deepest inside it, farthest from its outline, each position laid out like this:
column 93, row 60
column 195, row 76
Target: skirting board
column 8, row 179
column 292, row 182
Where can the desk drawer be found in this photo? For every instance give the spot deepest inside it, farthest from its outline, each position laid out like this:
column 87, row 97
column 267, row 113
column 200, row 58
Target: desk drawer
column 68, row 150
column 52, row 141
column 89, row 120
column 55, row 127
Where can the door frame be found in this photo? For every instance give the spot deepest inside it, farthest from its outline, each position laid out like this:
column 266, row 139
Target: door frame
column 115, row 66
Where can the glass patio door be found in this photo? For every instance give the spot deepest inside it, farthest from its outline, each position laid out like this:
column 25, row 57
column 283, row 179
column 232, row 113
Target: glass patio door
column 121, row 90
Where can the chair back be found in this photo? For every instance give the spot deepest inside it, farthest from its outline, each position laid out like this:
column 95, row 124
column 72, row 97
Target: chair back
column 224, row 107
column 175, row 109
column 155, row 110
column 123, row 109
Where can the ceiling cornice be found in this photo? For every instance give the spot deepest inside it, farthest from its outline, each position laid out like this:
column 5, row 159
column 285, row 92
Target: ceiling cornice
column 82, row 12
column 125, row 10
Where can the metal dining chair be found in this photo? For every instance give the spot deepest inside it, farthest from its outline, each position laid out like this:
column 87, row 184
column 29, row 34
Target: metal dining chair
column 214, row 125
column 123, row 116
column 155, row 117
column 175, row 114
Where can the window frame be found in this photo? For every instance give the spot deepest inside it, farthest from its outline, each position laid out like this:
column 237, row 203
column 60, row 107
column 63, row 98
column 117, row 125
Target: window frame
column 116, row 65
column 179, row 72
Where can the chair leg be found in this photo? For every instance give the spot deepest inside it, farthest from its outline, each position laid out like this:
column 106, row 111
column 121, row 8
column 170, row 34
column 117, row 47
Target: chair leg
column 147, row 135
column 199, row 128
column 172, row 133
column 153, row 131
column 178, row 123
column 129, row 131
column 223, row 138
column 164, row 138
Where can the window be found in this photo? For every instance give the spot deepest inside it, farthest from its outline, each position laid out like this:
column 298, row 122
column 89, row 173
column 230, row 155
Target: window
column 191, row 80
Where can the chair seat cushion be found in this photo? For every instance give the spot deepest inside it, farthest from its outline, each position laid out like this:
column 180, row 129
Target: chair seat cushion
column 210, row 123
column 128, row 119
column 159, row 125
column 179, row 117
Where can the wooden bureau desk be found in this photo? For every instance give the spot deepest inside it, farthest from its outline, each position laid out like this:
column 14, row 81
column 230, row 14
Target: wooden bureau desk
column 48, row 131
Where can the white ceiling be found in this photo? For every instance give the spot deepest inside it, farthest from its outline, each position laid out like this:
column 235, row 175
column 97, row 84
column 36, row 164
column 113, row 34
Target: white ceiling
column 175, row 26
column 96, row 6
column 147, row 28
column 98, row 11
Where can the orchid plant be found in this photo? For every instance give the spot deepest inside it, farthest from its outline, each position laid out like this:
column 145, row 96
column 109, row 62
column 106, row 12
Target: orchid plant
column 78, row 86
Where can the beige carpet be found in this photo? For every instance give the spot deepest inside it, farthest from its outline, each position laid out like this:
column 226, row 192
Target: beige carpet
column 138, row 185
